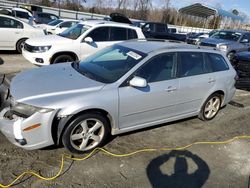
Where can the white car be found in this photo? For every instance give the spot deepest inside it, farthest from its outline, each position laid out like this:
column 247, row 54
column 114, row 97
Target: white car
column 58, row 26
column 14, row 32
column 78, row 42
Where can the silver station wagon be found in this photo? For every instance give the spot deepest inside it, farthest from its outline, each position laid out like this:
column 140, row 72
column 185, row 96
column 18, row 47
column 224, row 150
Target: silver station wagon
column 127, row 86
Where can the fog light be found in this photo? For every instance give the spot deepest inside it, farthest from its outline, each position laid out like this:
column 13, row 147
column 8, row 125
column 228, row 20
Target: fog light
column 39, row 60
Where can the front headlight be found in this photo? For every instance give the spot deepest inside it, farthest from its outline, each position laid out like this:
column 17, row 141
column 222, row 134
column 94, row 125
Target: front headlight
column 28, row 110
column 39, row 49
column 223, row 47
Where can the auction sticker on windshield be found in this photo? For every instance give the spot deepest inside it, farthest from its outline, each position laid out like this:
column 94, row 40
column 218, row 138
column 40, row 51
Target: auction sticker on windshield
column 134, row 55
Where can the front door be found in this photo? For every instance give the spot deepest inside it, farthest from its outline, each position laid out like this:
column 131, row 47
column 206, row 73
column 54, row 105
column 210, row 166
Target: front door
column 142, row 106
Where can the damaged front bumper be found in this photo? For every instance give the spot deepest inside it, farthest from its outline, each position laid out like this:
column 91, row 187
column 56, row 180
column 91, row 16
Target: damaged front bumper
column 31, row 132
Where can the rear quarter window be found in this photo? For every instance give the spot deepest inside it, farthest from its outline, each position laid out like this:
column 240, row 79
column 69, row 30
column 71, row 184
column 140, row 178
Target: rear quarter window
column 216, row 62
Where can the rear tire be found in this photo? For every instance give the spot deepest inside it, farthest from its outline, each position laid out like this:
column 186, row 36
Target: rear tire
column 211, row 107
column 62, row 59
column 86, row 132
column 19, row 45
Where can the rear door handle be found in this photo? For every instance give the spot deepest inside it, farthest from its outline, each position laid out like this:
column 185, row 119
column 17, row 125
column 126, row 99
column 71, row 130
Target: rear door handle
column 211, row 80
column 171, row 89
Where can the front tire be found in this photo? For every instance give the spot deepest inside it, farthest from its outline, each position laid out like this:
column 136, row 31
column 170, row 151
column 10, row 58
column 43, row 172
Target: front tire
column 20, row 45
column 63, row 58
column 86, row 132
column 210, row 108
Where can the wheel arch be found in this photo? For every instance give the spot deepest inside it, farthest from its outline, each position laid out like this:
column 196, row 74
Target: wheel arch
column 23, row 38
column 60, row 124
column 70, row 53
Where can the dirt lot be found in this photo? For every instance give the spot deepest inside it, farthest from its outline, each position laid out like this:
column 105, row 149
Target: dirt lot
column 199, row 166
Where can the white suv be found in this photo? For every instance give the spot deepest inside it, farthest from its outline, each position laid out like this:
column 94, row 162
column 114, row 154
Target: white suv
column 14, row 32
column 78, row 42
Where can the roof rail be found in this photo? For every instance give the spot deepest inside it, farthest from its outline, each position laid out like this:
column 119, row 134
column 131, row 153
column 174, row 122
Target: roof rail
column 156, row 40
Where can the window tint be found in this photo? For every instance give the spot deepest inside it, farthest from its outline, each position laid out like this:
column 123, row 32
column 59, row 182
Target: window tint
column 118, row 34
column 20, row 14
column 67, row 24
column 190, row 64
column 9, row 23
column 216, row 62
column 132, row 34
column 99, row 34
column 160, row 28
column 158, row 69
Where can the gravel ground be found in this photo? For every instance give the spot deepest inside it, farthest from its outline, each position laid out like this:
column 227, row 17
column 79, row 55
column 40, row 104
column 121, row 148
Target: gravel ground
column 199, row 166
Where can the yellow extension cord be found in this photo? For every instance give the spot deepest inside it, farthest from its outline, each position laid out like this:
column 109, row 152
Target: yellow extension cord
column 116, row 155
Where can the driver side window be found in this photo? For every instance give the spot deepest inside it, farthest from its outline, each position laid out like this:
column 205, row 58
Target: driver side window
column 99, row 34
column 160, row 68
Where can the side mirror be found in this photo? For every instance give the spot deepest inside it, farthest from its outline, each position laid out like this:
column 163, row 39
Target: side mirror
column 138, row 82
column 88, row 40
column 244, row 41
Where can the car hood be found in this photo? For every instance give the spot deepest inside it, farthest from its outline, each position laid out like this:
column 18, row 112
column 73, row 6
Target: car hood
column 48, row 40
column 216, row 41
column 39, row 86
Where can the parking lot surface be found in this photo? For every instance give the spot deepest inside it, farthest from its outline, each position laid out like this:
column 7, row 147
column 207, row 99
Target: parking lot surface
column 226, row 165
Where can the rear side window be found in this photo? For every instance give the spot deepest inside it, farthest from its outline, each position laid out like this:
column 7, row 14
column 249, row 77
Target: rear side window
column 118, row 34
column 215, row 62
column 160, row 28
column 190, row 64
column 132, row 34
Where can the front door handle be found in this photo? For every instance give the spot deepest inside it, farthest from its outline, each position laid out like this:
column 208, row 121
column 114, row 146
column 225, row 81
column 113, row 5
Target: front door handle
column 211, row 80
column 171, row 89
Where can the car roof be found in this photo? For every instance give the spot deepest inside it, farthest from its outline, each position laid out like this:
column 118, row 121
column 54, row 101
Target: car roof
column 146, row 46
column 110, row 23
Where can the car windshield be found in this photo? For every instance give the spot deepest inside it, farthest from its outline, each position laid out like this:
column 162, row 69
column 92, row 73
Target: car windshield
column 109, row 64
column 55, row 22
column 227, row 35
column 75, row 31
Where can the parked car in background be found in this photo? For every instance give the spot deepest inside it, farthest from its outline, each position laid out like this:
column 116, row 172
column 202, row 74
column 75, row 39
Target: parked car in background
column 125, row 87
column 16, row 12
column 229, row 41
column 78, row 42
column 160, row 31
column 241, row 63
column 15, row 32
column 207, row 35
column 44, row 18
column 57, row 26
column 193, row 38
column 138, row 23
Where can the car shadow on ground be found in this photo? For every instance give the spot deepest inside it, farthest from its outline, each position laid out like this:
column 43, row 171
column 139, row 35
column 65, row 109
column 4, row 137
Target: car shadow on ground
column 180, row 177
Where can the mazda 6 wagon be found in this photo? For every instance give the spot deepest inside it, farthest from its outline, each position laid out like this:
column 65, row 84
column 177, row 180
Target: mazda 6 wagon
column 125, row 87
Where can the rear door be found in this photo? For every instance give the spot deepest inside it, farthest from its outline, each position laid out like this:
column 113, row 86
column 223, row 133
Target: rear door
column 196, row 81
column 11, row 31
column 156, row 102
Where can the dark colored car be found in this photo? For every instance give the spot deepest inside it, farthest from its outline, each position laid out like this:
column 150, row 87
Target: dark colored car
column 160, row 31
column 193, row 38
column 241, row 63
column 44, row 18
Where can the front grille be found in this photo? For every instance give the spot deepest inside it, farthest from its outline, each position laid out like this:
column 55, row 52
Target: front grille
column 207, row 44
column 28, row 48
